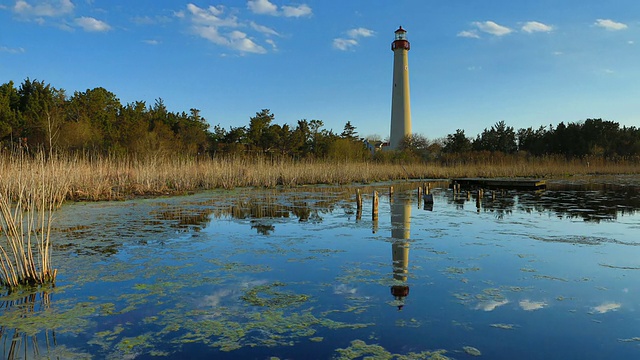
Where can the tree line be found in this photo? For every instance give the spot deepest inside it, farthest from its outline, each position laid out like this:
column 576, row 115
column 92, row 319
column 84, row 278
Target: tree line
column 37, row 116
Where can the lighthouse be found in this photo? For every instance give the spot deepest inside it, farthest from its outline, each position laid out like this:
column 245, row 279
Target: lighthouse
column 400, row 103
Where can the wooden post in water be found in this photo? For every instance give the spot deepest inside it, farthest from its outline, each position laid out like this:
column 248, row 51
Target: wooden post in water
column 358, row 205
column 376, row 201
column 390, row 190
column 374, row 213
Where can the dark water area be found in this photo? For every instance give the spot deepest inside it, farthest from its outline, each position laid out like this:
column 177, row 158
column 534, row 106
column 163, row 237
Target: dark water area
column 303, row 274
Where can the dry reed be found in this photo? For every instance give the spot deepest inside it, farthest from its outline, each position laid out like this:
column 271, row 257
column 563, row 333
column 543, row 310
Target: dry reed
column 29, row 195
column 106, row 178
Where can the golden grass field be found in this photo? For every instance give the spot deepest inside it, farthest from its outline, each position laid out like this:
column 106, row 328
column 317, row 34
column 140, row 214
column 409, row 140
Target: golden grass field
column 104, row 178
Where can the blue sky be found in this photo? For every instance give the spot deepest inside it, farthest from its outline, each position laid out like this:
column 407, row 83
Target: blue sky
column 472, row 62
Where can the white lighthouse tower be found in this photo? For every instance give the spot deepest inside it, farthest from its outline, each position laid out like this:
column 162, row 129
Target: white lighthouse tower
column 400, row 103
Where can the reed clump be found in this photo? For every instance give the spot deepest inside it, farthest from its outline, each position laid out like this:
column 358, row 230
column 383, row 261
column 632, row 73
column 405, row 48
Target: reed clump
column 29, row 195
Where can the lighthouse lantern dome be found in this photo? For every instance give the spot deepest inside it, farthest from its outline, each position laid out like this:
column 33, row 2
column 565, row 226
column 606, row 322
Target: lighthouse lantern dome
column 401, row 34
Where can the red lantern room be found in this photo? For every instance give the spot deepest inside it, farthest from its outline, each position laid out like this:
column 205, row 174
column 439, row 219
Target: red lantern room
column 401, row 41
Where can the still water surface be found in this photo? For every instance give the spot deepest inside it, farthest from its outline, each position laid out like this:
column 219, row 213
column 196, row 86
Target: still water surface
column 301, row 274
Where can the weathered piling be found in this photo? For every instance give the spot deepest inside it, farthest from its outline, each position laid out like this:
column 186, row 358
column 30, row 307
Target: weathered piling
column 374, row 212
column 390, row 190
column 358, row 205
column 376, row 202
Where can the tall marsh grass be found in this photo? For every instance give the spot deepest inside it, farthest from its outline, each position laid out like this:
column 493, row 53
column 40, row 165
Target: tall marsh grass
column 109, row 178
column 30, row 191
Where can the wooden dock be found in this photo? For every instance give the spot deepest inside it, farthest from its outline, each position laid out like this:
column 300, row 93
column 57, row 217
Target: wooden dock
column 500, row 183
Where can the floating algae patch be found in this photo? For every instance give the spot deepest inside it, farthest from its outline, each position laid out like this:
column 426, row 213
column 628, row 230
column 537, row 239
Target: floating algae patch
column 236, row 267
column 357, row 309
column 267, row 296
column 134, row 345
column 549, row 277
column 74, row 320
column 361, row 350
column 620, row 267
column 356, row 274
column 459, row 270
column 408, row 323
column 236, row 329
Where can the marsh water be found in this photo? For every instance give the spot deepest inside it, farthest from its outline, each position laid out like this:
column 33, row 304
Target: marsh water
column 302, row 274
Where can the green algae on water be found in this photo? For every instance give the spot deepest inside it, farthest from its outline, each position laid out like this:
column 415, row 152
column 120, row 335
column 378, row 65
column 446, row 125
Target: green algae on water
column 268, row 296
column 361, row 350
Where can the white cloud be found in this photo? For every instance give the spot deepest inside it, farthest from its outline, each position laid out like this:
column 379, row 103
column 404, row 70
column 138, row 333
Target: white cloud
column 211, row 16
column 344, row 44
column 610, row 24
column 217, row 25
column 469, row 34
column 631, row 42
column 43, row 8
column 348, row 43
column 11, row 50
column 360, row 32
column 262, row 7
column 266, row 7
column 152, row 42
column 492, row 28
column 274, row 47
column 240, row 41
column 297, row 11
column 91, row 24
column 208, row 23
column 534, row 26
column 264, row 29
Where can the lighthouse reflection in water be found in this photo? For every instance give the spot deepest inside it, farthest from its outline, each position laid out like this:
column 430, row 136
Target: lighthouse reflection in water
column 401, row 233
